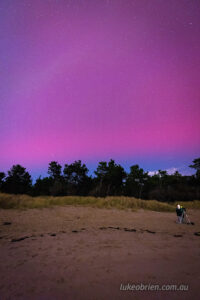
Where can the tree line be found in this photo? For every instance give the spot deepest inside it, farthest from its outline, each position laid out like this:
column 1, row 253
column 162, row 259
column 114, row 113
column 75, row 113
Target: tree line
column 110, row 179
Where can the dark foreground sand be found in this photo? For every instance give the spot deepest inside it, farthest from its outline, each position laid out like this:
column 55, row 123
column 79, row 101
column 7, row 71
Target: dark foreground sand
column 55, row 263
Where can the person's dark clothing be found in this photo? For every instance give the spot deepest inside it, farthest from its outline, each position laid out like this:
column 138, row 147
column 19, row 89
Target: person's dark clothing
column 179, row 212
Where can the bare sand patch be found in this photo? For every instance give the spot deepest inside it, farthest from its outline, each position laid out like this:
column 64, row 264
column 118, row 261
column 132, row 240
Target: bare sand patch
column 87, row 253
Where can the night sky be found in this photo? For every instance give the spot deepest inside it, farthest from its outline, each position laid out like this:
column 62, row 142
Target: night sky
column 99, row 79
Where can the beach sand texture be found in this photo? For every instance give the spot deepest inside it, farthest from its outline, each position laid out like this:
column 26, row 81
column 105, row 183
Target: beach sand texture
column 87, row 253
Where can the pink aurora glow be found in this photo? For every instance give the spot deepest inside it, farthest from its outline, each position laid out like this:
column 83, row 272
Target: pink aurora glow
column 96, row 79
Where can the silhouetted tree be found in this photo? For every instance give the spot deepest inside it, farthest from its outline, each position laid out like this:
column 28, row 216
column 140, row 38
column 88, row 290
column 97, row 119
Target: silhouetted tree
column 58, row 186
column 54, row 170
column 159, row 184
column 2, row 177
column 18, row 181
column 109, row 179
column 42, row 186
column 196, row 166
column 136, row 182
column 76, row 178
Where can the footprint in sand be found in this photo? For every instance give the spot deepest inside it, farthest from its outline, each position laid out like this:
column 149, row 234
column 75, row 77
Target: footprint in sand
column 177, row 235
column 197, row 233
column 20, row 239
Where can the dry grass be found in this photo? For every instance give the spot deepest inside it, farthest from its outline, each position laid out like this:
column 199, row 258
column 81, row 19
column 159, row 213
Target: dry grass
column 24, row 201
column 190, row 204
column 8, row 201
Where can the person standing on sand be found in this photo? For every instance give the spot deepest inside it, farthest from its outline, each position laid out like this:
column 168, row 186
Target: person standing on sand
column 179, row 212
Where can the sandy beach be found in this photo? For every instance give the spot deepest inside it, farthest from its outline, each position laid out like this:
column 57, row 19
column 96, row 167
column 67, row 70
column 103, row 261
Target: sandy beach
column 89, row 253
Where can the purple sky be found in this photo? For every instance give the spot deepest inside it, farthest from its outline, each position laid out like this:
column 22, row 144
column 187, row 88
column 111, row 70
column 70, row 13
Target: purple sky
column 99, row 79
